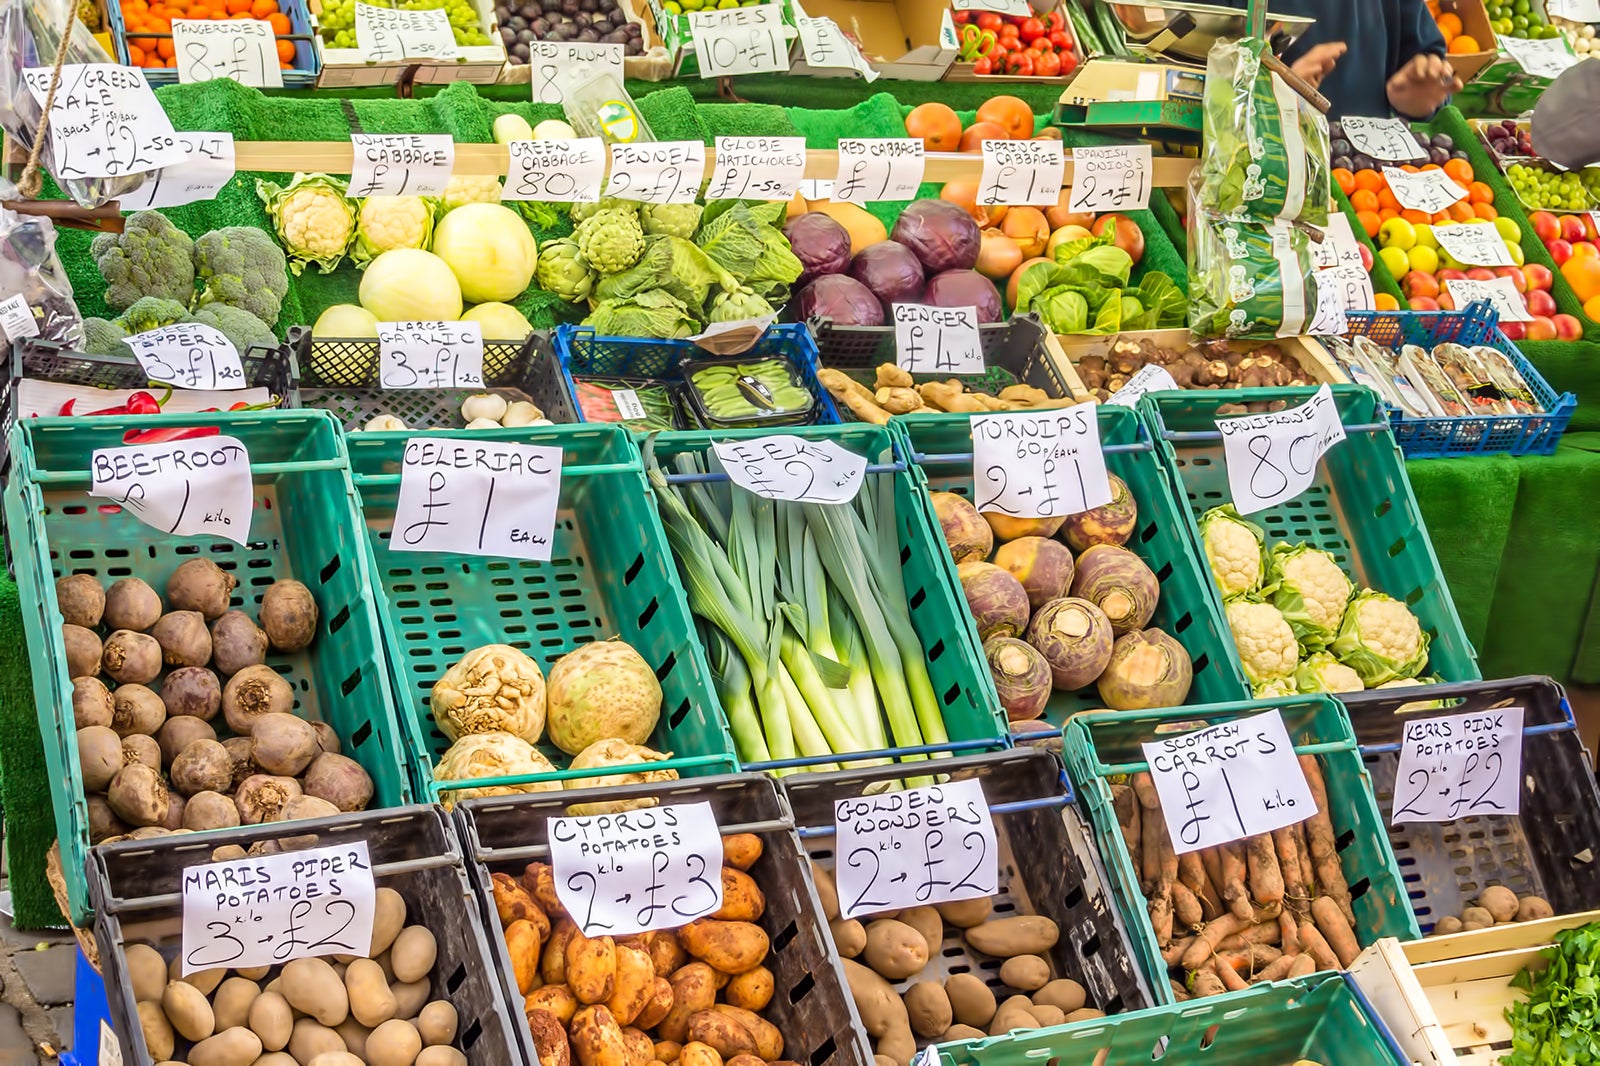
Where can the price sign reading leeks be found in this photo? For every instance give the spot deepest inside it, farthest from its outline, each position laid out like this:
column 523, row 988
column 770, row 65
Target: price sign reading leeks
column 786, row 467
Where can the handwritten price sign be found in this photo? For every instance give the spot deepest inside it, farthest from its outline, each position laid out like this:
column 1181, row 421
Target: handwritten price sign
column 191, row 488
column 783, row 467
column 1111, row 178
column 556, row 171
column 242, row 49
column 666, row 172
column 757, row 168
column 401, row 164
column 476, row 497
column 619, row 874
column 392, row 34
column 560, row 66
column 937, row 340
column 1150, row 378
column 740, row 40
column 1039, row 464
column 206, row 168
column 1458, row 766
column 825, row 45
column 1475, row 245
column 914, row 848
column 1501, row 293
column 1430, row 191
column 105, row 121
column 1387, row 139
column 430, row 355
column 1022, row 173
column 878, row 168
column 1272, row 457
column 189, row 356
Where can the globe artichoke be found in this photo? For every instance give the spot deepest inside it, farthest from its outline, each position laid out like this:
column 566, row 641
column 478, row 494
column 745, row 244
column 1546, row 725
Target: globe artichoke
column 584, row 212
column 564, row 272
column 611, row 240
column 671, row 220
column 738, row 305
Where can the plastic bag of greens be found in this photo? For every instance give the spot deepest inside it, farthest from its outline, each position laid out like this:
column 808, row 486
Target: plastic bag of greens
column 1266, row 148
column 1247, row 279
column 31, row 269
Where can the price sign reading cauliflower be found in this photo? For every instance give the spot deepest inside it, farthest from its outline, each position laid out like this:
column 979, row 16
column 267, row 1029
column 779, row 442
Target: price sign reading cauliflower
column 634, row 871
column 1273, row 456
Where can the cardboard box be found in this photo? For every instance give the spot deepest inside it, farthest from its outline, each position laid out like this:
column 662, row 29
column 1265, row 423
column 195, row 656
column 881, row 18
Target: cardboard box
column 1313, row 358
column 344, row 68
column 1475, row 24
column 909, row 40
column 1111, row 80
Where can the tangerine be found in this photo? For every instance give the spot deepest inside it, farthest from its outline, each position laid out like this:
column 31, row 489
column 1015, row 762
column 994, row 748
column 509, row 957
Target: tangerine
column 1382, row 301
column 286, row 51
column 935, row 124
column 1462, row 45
column 1369, row 180
column 1009, row 113
column 1364, row 200
column 1370, row 222
column 1460, row 171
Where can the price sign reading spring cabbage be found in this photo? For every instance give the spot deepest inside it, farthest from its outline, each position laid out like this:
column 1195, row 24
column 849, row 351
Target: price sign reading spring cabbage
column 1021, row 173
column 914, row 848
column 1039, row 464
column 1273, row 456
column 631, row 872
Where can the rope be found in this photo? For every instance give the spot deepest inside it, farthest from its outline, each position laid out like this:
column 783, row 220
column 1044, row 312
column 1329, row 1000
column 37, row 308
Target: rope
column 31, row 179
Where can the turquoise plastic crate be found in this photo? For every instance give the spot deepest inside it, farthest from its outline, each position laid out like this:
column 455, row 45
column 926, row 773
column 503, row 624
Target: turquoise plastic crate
column 301, row 75
column 972, row 714
column 1189, row 609
column 304, row 526
column 610, row 575
column 1101, row 745
column 1360, row 508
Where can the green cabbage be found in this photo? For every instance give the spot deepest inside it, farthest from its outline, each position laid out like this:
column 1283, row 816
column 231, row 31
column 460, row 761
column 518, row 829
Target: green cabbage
column 734, row 240
column 652, row 313
column 673, row 265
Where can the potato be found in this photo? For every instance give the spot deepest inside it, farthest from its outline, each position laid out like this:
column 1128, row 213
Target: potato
column 1023, row 934
column 657, row 1005
column 880, row 1008
column 1500, row 902
column 549, row 1038
column 147, row 972
column 899, row 1045
column 730, row 947
column 158, row 1036
column 272, row 1019
column 742, row 899
column 971, row 1002
column 522, row 944
column 591, row 967
column 961, row 1032
column 540, row 882
column 394, row 1043
column 769, row 1040
column 231, row 1047
column 1063, row 992
column 371, row 1002
column 1084, row 1014
column 1014, row 1013
column 558, row 1000
column 741, row 850
column 336, row 1058
column 929, row 1008
column 694, row 1054
column 511, row 901
column 231, row 1004
column 1480, row 915
column 751, row 990
column 309, row 1039
column 445, row 1056
column 268, row 1058
column 409, row 998
column 1472, row 926
column 694, row 988
column 1025, row 973
column 1532, row 908
column 721, row 1032
column 388, row 918
column 311, row 987
column 895, row 949
column 596, row 1038
column 641, row 1049
column 1047, row 1015
column 354, row 1035
column 666, row 954
column 1446, row 925
column 99, row 756
column 635, row 979
column 744, row 1060
column 413, row 953
column 667, row 1050
column 438, row 1022
column 553, row 964
column 928, row 922
column 827, row 892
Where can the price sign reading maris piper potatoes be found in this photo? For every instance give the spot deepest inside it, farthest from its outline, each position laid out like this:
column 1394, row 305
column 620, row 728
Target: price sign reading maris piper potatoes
column 1459, row 765
column 1039, row 464
column 914, row 848
column 187, row 487
column 1273, row 456
column 631, row 872
column 477, row 497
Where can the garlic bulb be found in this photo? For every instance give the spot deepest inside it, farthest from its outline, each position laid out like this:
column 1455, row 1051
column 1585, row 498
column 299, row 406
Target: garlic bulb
column 483, row 423
column 384, row 424
column 521, row 413
column 483, row 405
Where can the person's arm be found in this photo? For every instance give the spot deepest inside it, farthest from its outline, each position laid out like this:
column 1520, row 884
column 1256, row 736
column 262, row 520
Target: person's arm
column 1424, row 82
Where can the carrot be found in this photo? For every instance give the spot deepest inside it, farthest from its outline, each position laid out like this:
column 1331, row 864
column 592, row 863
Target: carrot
column 1266, row 933
column 1308, row 876
column 1322, row 842
column 1279, row 969
column 1145, row 788
column 1192, row 872
column 1207, row 983
column 1266, row 881
column 1179, row 993
column 1160, row 908
column 1126, row 804
column 1175, row 950
column 1335, row 930
column 1185, row 907
column 1315, row 946
column 1232, row 885
column 1230, row 976
column 1288, row 934
column 1151, row 835
column 1302, row 966
column 1294, row 889
column 1205, row 945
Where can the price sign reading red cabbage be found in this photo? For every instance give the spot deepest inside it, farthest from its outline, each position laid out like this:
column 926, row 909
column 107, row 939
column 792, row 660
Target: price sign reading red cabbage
column 197, row 487
column 914, row 848
column 656, row 868
column 1273, row 456
column 1021, row 173
column 1039, row 464
column 878, row 168
column 1458, row 766
column 1429, row 191
column 477, row 497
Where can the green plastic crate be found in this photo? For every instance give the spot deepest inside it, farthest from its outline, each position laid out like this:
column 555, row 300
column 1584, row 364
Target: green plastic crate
column 304, row 526
column 1323, row 1018
column 1189, row 609
column 1360, row 508
column 1100, row 745
column 972, row 714
column 609, row 575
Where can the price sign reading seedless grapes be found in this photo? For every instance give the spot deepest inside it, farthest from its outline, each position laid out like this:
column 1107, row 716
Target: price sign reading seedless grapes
column 391, row 34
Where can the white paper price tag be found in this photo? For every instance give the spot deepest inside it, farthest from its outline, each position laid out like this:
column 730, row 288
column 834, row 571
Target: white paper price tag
column 104, row 122
column 878, row 168
column 1352, row 284
column 1022, row 173
column 1329, row 319
column 477, row 497
column 190, row 356
column 391, row 34
column 825, row 45
column 1338, row 247
column 1430, row 191
column 556, row 171
column 1501, row 292
column 1151, row 377
column 206, row 169
column 657, row 868
column 1459, row 766
column 814, row 189
column 1388, row 140
column 628, row 404
column 110, row 1050
column 242, row 49
column 1019, row 8
column 917, row 847
column 1039, row 464
column 740, row 40
column 1110, row 178
column 937, row 340
column 561, row 66
column 1475, row 245
column 198, row 487
column 269, row 909
column 401, row 164
column 785, row 467
column 1574, row 10
column 16, row 318
column 430, row 355
column 757, row 168
column 665, row 172
column 1547, row 58
column 1228, row 781
column 1273, row 456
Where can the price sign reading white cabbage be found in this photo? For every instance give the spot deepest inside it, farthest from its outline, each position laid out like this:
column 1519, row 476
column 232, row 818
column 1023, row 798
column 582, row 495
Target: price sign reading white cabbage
column 105, row 121
column 786, row 467
column 242, row 49
column 1039, row 464
column 1021, row 173
column 188, row 355
column 757, row 168
column 1273, row 456
column 198, row 487
column 1385, row 139
column 1459, row 766
column 556, row 171
column 1430, row 191
column 557, row 67
column 475, row 497
column 740, row 40
column 1228, row 781
column 937, row 340
column 1473, row 245
column 1112, row 177
column 657, row 868
column 878, row 168
column 270, row 909
column 391, row 34
column 1501, row 293
column 207, row 166
column 913, row 848
column 665, row 172
column 430, row 355
column 401, row 164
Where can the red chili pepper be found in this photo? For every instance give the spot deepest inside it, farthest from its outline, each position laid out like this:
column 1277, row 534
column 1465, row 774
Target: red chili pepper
column 169, row 434
column 66, row 408
column 142, row 403
column 120, row 409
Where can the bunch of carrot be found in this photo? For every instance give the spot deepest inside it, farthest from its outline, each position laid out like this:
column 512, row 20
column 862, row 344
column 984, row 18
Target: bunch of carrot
column 1260, row 909
column 145, row 17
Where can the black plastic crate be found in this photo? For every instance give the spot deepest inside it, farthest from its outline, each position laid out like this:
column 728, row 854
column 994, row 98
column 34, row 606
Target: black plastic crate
column 136, row 888
column 1549, row 849
column 810, row 1004
column 341, row 375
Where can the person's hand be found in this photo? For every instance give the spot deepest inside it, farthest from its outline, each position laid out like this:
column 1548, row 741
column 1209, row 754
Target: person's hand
column 1318, row 62
column 1421, row 87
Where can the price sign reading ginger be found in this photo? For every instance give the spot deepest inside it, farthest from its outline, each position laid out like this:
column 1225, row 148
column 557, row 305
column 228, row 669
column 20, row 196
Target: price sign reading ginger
column 1112, row 177
column 631, row 872
column 477, row 497
column 1021, row 173
column 105, row 121
column 1459, row 765
column 757, row 168
column 1228, row 781
column 430, row 355
column 937, row 340
column 878, row 168
column 914, row 848
column 1272, row 457
column 1039, row 464
column 196, row 487
column 664, row 172
column 556, row 171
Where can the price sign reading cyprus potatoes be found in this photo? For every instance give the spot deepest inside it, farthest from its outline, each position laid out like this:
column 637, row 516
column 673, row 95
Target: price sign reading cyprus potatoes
column 634, row 871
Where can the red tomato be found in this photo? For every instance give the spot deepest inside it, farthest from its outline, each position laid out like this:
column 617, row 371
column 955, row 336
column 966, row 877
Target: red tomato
column 1047, row 65
column 1020, row 63
column 961, row 18
column 983, row 65
column 988, row 20
column 1031, row 28
column 1061, row 40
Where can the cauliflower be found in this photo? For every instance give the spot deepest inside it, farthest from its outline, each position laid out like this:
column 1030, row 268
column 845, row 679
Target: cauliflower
column 388, row 222
column 242, row 267
column 1276, row 689
column 1267, row 649
column 495, row 688
column 1233, row 549
column 1323, row 673
column 1380, row 639
column 241, row 327
column 470, row 189
column 150, row 257
column 1418, row 705
column 611, row 241
column 1311, row 590
column 315, row 219
column 491, row 756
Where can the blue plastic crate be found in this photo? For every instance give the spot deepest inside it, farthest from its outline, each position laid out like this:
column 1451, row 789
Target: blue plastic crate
column 1434, row 438
column 302, row 75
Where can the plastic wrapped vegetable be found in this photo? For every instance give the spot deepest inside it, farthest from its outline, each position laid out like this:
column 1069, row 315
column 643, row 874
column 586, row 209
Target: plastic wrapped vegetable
column 1248, row 280
column 600, row 402
column 1380, row 639
column 1311, row 590
column 30, row 267
column 1234, row 550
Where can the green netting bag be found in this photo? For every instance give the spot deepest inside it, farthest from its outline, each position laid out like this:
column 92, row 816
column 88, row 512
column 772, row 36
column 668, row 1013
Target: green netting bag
column 1248, row 280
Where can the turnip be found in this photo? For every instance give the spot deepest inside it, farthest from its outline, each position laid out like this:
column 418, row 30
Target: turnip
column 81, row 599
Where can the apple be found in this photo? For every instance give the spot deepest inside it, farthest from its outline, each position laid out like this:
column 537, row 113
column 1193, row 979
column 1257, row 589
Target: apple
column 1514, row 331
column 1541, row 303
column 1572, row 228
column 1446, row 301
column 1568, row 328
column 1397, row 233
column 1417, row 284
column 1539, row 276
column 1540, row 329
column 1396, row 261
column 1546, row 226
column 1518, row 280
column 1128, row 236
column 1423, row 303
column 1480, row 274
column 1559, row 250
column 1451, row 275
column 1366, row 257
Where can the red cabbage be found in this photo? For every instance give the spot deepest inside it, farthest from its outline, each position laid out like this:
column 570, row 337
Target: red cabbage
column 841, row 298
column 820, row 243
column 891, row 271
column 964, row 288
column 942, row 234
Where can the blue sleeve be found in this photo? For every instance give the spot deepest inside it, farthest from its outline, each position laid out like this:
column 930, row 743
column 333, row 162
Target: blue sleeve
column 1418, row 32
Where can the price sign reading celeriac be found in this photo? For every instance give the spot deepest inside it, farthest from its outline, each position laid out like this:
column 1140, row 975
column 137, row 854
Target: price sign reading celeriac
column 1021, row 173
column 825, row 45
column 1430, row 191
column 401, row 164
column 1039, row 464
column 785, row 467
column 1338, row 246
column 242, row 49
column 1475, row 245
column 1228, row 781
column 1385, row 139
column 1501, row 292
column 190, row 356
column 270, row 909
column 937, row 340
column 1547, row 58
column 1273, row 456
column 878, row 168
column 666, row 172
column 913, row 848
column 391, row 34
column 476, row 497
column 1152, row 377
column 105, row 121
column 1110, row 178
column 740, row 40
column 556, row 171
column 198, row 487
column 205, row 170
column 626, row 873
column 1459, row 766
column 757, row 168
column 559, row 66
column 430, row 355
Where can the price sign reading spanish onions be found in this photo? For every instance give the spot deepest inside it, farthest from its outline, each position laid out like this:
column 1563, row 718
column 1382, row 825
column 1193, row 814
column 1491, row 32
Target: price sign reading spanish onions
column 1022, row 173
column 1273, row 456
column 1113, row 177
column 914, row 848
column 631, row 872
column 1039, row 464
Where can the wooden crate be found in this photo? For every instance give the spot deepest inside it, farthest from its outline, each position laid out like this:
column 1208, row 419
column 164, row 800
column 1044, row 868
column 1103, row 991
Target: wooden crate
column 1067, row 349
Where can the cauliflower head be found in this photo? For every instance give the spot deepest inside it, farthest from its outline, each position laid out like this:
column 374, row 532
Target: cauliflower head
column 1311, row 590
column 1380, row 639
column 470, row 189
column 315, row 219
column 385, row 223
column 150, row 257
column 1321, row 672
column 243, row 267
column 1266, row 644
column 1276, row 689
column 1234, row 550
column 1416, row 705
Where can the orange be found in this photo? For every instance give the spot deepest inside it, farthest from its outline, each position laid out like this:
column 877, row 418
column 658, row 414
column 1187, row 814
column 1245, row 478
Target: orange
column 1461, row 45
column 1416, row 218
column 1486, row 211
column 279, row 23
column 1370, row 222
column 164, row 48
column 1009, row 113
column 1369, row 180
column 1584, row 251
column 1450, row 24
column 262, row 8
column 1346, row 180
column 1386, row 199
column 1592, row 309
column 1387, row 213
column 1480, row 193
column 1442, row 216
column 1583, row 274
column 286, row 51
column 1460, row 171
column 1364, row 199
column 135, row 54
column 1460, row 211
column 937, row 125
column 1382, row 301
column 1409, row 168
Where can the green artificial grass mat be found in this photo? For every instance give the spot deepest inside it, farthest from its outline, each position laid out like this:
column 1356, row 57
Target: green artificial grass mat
column 24, row 788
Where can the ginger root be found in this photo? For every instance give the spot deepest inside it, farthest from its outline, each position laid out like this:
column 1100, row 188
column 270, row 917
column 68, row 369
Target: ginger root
column 898, row 400
column 891, row 376
column 853, row 395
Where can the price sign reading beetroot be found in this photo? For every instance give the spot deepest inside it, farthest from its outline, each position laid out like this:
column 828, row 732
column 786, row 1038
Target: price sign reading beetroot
column 1273, row 456
column 1021, row 173
column 1039, row 464
column 197, row 487
column 1459, row 765
column 1429, row 191
column 626, row 873
column 914, row 848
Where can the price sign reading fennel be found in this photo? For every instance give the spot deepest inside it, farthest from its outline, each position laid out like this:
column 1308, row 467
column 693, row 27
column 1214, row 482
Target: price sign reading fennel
column 631, row 872
column 913, row 848
column 556, row 171
column 1431, row 191
column 1386, row 139
column 271, row 909
column 1273, row 456
column 105, row 121
column 937, row 340
column 198, row 487
column 1112, row 177
column 1459, row 765
column 207, row 166
column 401, row 164
column 188, row 355
column 665, row 172
column 1228, row 781
column 878, row 168
column 1039, row 464
column 740, row 40
column 391, row 34
column 784, row 467
column 242, row 49
column 476, row 497
column 1022, row 173
column 1475, row 245
column 560, row 66
column 757, row 168
column 430, row 355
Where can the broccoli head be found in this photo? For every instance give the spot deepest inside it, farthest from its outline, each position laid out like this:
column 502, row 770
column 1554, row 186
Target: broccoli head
column 238, row 325
column 152, row 312
column 150, row 257
column 104, row 337
column 243, row 267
